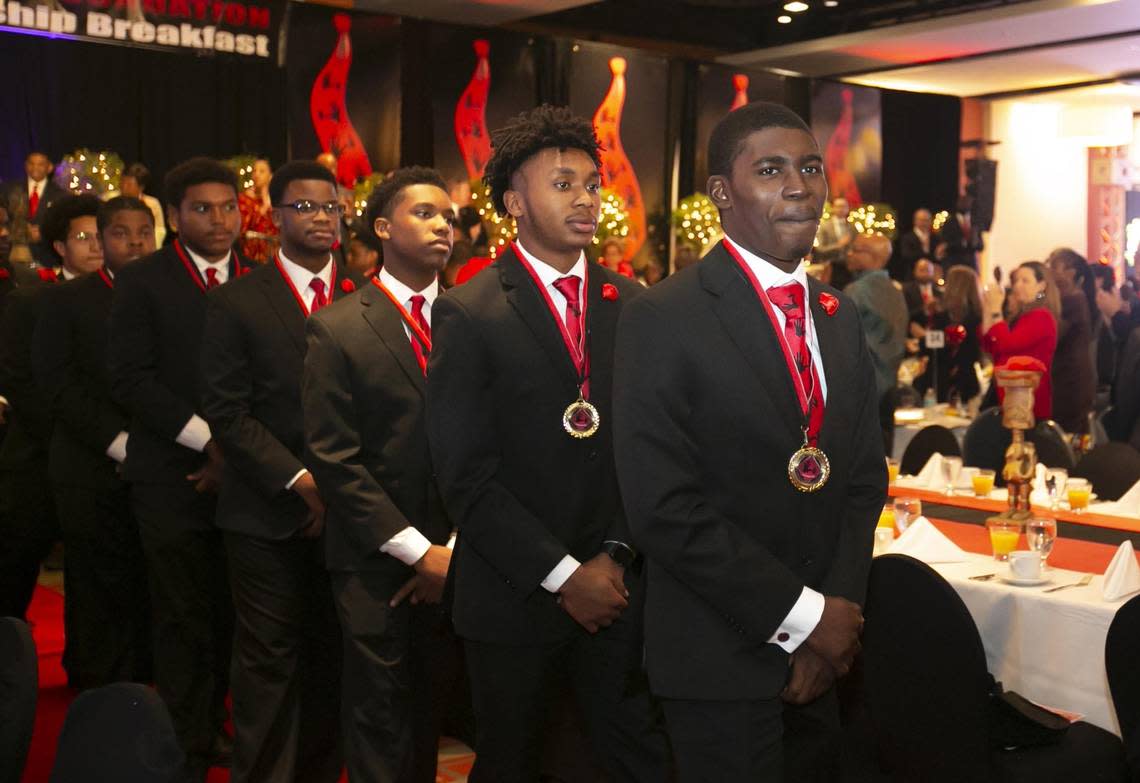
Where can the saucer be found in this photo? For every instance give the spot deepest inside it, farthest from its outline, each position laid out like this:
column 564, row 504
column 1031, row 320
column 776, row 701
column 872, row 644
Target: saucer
column 1018, row 581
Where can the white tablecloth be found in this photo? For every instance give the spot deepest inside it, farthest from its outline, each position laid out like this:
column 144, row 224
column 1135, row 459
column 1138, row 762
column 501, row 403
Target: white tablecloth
column 1049, row 647
column 904, row 433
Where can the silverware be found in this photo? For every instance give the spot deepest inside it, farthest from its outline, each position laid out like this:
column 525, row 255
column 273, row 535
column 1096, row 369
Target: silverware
column 983, row 577
column 1084, row 580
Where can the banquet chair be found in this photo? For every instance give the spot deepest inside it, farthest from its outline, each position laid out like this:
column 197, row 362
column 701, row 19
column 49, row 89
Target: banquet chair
column 120, row 732
column 922, row 446
column 1121, row 652
column 986, row 440
column 928, row 692
column 1111, row 468
column 19, row 685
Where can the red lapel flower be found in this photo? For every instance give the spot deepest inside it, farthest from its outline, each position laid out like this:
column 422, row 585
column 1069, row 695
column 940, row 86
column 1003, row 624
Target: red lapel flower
column 4, row 274
column 829, row 303
column 47, row 274
column 609, row 292
column 347, row 286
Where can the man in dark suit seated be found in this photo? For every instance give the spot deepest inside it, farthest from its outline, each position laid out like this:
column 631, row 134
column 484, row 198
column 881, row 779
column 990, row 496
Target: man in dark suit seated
column 754, row 507
column 106, row 611
column 547, row 593
column 922, row 296
column 912, row 246
column 173, row 462
column 28, row 201
column 387, row 538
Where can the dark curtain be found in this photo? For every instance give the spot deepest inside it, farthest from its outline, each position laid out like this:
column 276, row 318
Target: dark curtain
column 155, row 107
column 920, row 152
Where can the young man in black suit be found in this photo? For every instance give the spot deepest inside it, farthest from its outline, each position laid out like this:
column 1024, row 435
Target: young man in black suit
column 387, row 537
column 28, row 522
column 30, row 200
column 106, row 612
column 752, row 492
column 286, row 669
column 547, row 589
column 173, row 462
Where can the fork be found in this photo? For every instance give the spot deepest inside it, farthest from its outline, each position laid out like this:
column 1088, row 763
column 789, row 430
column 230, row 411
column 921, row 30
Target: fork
column 1084, row 580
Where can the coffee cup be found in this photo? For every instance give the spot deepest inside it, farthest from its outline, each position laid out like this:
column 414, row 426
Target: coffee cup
column 1025, row 564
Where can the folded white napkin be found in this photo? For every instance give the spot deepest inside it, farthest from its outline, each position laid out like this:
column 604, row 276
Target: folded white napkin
column 1127, row 506
column 930, row 477
column 923, row 541
column 1039, row 495
column 1123, row 575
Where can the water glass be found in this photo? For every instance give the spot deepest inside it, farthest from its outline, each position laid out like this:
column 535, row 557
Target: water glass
column 951, row 467
column 906, row 511
column 1055, row 479
column 1040, row 533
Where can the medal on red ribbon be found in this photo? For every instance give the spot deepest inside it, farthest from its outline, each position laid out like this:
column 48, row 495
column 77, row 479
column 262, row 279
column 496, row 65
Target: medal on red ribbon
column 808, row 467
column 580, row 419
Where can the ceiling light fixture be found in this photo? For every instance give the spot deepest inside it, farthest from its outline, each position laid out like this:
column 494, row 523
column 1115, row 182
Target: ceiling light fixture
column 795, row 7
column 831, row 3
column 785, row 19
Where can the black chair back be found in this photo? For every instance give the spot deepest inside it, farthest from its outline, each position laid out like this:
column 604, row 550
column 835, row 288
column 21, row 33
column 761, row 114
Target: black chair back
column 1112, row 469
column 1121, row 654
column 986, row 440
column 927, row 686
column 1053, row 447
column 925, row 443
column 19, row 686
column 118, row 732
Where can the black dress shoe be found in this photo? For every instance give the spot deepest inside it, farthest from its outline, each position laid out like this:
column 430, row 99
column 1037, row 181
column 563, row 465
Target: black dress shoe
column 221, row 750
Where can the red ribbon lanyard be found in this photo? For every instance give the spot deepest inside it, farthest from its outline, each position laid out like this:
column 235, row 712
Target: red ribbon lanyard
column 769, row 310
column 192, row 268
column 578, row 353
column 107, row 280
column 293, row 288
column 420, row 334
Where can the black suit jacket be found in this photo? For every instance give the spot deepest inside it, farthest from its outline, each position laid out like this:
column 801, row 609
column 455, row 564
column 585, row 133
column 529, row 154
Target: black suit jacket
column 69, row 352
column 522, row 492
column 155, row 341
column 366, row 432
column 910, row 250
column 25, row 446
column 706, row 418
column 915, row 307
column 961, row 249
column 15, row 195
column 252, row 358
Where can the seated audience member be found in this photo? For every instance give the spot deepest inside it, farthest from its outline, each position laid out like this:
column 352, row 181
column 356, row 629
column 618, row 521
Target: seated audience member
column 363, row 256
column 1074, row 370
column 612, row 257
column 133, row 183
column 882, row 307
column 923, row 297
column 913, row 246
column 106, row 610
column 959, row 317
column 686, row 255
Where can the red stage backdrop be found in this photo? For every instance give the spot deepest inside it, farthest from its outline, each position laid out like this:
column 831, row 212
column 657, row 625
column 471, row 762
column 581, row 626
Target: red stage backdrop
column 847, row 123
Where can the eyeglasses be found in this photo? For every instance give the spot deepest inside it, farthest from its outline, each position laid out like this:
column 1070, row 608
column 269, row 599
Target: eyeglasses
column 85, row 236
column 306, row 207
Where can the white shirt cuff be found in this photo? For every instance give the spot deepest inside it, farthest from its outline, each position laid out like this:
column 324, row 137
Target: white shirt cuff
column 118, row 448
column 407, row 546
column 451, row 541
column 195, row 435
column 800, row 622
column 293, row 480
column 556, row 578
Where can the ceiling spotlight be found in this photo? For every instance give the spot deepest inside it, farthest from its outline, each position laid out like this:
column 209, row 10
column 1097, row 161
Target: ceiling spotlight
column 831, row 3
column 785, row 19
column 795, row 7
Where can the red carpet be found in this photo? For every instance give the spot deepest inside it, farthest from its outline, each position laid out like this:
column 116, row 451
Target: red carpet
column 46, row 616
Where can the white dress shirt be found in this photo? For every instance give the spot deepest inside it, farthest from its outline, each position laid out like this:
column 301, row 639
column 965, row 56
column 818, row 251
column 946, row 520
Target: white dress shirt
column 808, row 608
column 36, row 187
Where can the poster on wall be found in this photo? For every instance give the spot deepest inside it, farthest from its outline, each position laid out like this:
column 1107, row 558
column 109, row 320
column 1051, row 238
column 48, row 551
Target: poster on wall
column 232, row 27
column 847, row 122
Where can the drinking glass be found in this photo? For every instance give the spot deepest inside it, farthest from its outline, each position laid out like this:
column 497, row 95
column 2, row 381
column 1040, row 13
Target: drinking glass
column 1040, row 533
column 1078, row 491
column 887, row 517
column 951, row 467
column 1055, row 479
column 906, row 511
column 892, row 470
column 1003, row 538
column 983, row 482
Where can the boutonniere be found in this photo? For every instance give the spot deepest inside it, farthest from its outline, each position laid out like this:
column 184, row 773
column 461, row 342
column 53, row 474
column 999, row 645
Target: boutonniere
column 47, row 274
column 829, row 303
column 4, row 274
column 609, row 292
column 347, row 286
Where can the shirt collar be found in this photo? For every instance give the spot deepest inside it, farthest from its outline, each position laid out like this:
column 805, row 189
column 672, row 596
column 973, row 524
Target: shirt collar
column 404, row 293
column 548, row 274
column 768, row 274
column 302, row 277
column 202, row 263
column 66, row 273
column 39, row 186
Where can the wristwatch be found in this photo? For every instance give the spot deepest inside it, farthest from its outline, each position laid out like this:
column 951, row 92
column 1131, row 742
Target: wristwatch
column 620, row 553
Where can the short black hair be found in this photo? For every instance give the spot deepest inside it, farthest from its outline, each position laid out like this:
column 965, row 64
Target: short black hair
column 529, row 133
column 730, row 133
column 57, row 221
column 293, row 171
column 140, row 172
column 385, row 194
column 196, row 171
column 1105, row 277
column 368, row 238
column 108, row 209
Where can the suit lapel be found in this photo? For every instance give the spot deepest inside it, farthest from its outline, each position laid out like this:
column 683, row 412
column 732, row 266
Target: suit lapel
column 529, row 303
column 601, row 326
column 836, row 366
column 742, row 315
column 384, row 319
column 342, row 275
column 281, row 301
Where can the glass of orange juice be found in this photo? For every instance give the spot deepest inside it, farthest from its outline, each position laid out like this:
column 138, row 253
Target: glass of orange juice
column 1079, row 491
column 1004, row 535
column 983, row 482
column 892, row 470
column 887, row 517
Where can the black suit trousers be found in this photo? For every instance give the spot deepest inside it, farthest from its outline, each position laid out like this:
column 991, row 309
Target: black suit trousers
column 286, row 665
column 28, row 528
column 106, row 610
column 192, row 617
column 757, row 740
column 401, row 667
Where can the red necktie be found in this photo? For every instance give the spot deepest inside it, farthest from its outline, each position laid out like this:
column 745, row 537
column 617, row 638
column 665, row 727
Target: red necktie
column 568, row 287
column 790, row 299
column 212, row 280
column 34, row 201
column 319, row 297
column 418, row 302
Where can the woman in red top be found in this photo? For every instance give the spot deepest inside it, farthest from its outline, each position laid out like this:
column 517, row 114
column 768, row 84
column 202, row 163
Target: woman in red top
column 1031, row 329
column 258, row 240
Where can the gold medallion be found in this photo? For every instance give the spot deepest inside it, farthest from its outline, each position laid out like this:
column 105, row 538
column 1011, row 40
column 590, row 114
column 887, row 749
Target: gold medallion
column 580, row 419
column 808, row 469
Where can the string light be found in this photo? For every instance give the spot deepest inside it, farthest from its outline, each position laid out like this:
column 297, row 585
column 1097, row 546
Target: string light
column 614, row 218
column 939, row 220
column 874, row 219
column 500, row 230
column 87, row 172
column 242, row 166
column 362, row 191
column 696, row 222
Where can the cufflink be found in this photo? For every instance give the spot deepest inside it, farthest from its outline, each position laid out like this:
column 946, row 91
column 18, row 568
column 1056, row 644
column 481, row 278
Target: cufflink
column 782, row 637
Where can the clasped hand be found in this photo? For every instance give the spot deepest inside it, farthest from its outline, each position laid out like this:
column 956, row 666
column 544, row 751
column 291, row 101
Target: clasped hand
column 595, row 593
